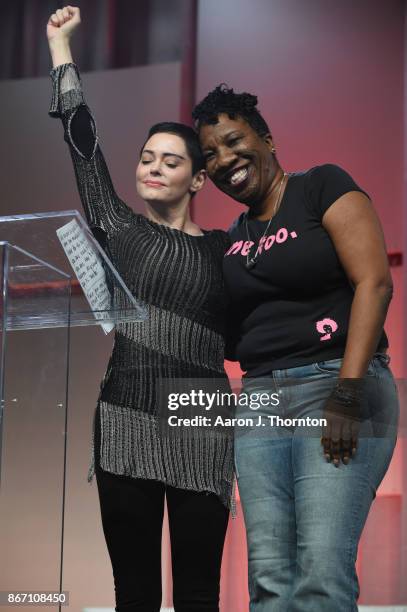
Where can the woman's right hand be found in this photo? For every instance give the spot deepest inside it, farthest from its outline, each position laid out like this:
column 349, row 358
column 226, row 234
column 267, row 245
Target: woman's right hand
column 63, row 23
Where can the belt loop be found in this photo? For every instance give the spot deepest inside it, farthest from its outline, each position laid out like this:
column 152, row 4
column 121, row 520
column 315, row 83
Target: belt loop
column 383, row 357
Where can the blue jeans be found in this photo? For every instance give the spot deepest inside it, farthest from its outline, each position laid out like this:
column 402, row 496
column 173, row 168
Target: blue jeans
column 304, row 516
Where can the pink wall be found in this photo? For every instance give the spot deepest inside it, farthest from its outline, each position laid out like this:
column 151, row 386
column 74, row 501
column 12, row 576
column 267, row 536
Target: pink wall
column 329, row 76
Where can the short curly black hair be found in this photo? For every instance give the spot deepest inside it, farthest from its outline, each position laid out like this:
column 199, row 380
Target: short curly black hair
column 223, row 99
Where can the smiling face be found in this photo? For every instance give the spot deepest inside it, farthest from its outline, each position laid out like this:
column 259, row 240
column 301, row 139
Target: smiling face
column 238, row 160
column 164, row 172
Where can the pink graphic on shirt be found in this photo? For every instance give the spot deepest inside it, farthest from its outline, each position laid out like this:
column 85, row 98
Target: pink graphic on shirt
column 269, row 241
column 235, row 248
column 281, row 235
column 327, row 327
column 244, row 247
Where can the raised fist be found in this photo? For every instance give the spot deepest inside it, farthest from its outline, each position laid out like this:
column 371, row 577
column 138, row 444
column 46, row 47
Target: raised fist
column 63, row 22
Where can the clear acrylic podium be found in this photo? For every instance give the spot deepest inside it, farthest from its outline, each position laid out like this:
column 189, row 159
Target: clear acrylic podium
column 42, row 299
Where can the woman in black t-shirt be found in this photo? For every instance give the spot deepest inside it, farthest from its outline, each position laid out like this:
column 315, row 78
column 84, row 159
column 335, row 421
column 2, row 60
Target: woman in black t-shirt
column 310, row 286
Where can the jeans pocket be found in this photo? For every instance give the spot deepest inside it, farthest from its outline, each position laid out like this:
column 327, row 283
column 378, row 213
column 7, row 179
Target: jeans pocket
column 332, row 367
column 383, row 359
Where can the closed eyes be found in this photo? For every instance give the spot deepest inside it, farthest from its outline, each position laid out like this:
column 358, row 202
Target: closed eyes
column 148, row 161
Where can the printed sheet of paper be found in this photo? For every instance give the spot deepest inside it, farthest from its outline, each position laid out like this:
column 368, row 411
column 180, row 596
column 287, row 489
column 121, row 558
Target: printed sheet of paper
column 88, row 269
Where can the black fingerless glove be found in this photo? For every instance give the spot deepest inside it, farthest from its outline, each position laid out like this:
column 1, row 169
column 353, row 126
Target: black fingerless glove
column 346, row 398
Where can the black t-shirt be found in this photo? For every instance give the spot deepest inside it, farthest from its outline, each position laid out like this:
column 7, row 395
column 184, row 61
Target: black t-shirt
column 293, row 307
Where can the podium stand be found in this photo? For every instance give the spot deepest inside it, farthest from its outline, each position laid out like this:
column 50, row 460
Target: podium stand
column 41, row 301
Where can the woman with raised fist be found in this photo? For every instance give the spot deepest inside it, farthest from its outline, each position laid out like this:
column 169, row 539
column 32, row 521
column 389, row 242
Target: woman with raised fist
column 174, row 268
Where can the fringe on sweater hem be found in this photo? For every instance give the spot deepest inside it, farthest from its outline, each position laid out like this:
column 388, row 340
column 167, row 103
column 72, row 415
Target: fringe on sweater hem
column 131, row 445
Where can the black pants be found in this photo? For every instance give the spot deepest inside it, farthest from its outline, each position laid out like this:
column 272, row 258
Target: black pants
column 132, row 512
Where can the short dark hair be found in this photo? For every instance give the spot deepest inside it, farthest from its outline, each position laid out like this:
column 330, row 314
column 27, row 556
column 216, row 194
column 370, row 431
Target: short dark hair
column 223, row 99
column 188, row 135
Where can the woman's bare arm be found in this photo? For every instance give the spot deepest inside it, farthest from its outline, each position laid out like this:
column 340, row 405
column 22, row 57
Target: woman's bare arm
column 355, row 230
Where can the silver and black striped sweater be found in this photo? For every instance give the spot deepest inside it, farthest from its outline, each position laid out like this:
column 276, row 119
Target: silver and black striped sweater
column 179, row 278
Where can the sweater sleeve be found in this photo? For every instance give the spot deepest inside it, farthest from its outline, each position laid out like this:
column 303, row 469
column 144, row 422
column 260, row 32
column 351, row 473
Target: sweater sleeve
column 103, row 208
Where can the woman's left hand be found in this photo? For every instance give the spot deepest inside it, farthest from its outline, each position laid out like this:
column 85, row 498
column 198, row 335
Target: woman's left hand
column 343, row 416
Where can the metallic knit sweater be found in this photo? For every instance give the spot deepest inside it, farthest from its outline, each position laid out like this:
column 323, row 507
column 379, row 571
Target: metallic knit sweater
column 179, row 279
